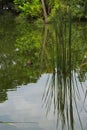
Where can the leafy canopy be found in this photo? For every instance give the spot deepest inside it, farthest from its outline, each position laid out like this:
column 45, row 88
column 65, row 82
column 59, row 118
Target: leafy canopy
column 28, row 7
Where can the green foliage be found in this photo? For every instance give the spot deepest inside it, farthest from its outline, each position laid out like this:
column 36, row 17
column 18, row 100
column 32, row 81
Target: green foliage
column 28, row 7
column 78, row 7
column 54, row 8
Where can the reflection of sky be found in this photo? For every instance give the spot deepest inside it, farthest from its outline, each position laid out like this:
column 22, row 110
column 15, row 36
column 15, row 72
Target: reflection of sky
column 25, row 105
column 79, row 103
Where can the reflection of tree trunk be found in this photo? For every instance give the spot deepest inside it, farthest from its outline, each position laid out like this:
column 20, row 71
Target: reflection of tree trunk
column 43, row 47
column 44, row 11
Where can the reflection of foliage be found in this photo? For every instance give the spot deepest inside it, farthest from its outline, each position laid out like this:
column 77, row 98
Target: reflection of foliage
column 3, row 96
column 79, row 50
column 14, row 55
column 29, row 40
column 5, row 39
column 62, row 85
column 20, row 43
column 79, row 47
column 29, row 45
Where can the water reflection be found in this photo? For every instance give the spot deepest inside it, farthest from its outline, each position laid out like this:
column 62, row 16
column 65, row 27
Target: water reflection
column 14, row 54
column 64, row 86
column 65, row 78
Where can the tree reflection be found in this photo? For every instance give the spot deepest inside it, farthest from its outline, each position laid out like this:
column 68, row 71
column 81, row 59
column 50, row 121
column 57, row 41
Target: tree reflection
column 19, row 44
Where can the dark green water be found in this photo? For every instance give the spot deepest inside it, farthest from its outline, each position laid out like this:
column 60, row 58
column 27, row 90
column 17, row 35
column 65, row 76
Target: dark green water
column 43, row 76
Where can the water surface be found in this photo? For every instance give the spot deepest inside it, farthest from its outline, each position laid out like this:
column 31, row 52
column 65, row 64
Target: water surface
column 43, row 79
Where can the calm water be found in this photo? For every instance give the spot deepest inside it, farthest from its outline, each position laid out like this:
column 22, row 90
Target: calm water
column 43, row 77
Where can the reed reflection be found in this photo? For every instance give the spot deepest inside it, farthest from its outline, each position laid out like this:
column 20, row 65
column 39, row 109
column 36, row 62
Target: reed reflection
column 63, row 86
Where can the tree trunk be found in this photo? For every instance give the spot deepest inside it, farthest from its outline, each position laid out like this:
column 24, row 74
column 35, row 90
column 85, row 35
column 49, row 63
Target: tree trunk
column 44, row 10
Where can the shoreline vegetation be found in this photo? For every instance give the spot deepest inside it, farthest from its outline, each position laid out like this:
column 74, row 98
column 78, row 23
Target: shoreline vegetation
column 46, row 11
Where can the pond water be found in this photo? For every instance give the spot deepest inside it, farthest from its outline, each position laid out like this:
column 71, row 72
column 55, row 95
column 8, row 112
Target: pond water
column 43, row 76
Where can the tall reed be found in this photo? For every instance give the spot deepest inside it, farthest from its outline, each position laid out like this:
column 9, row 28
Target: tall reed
column 60, row 86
